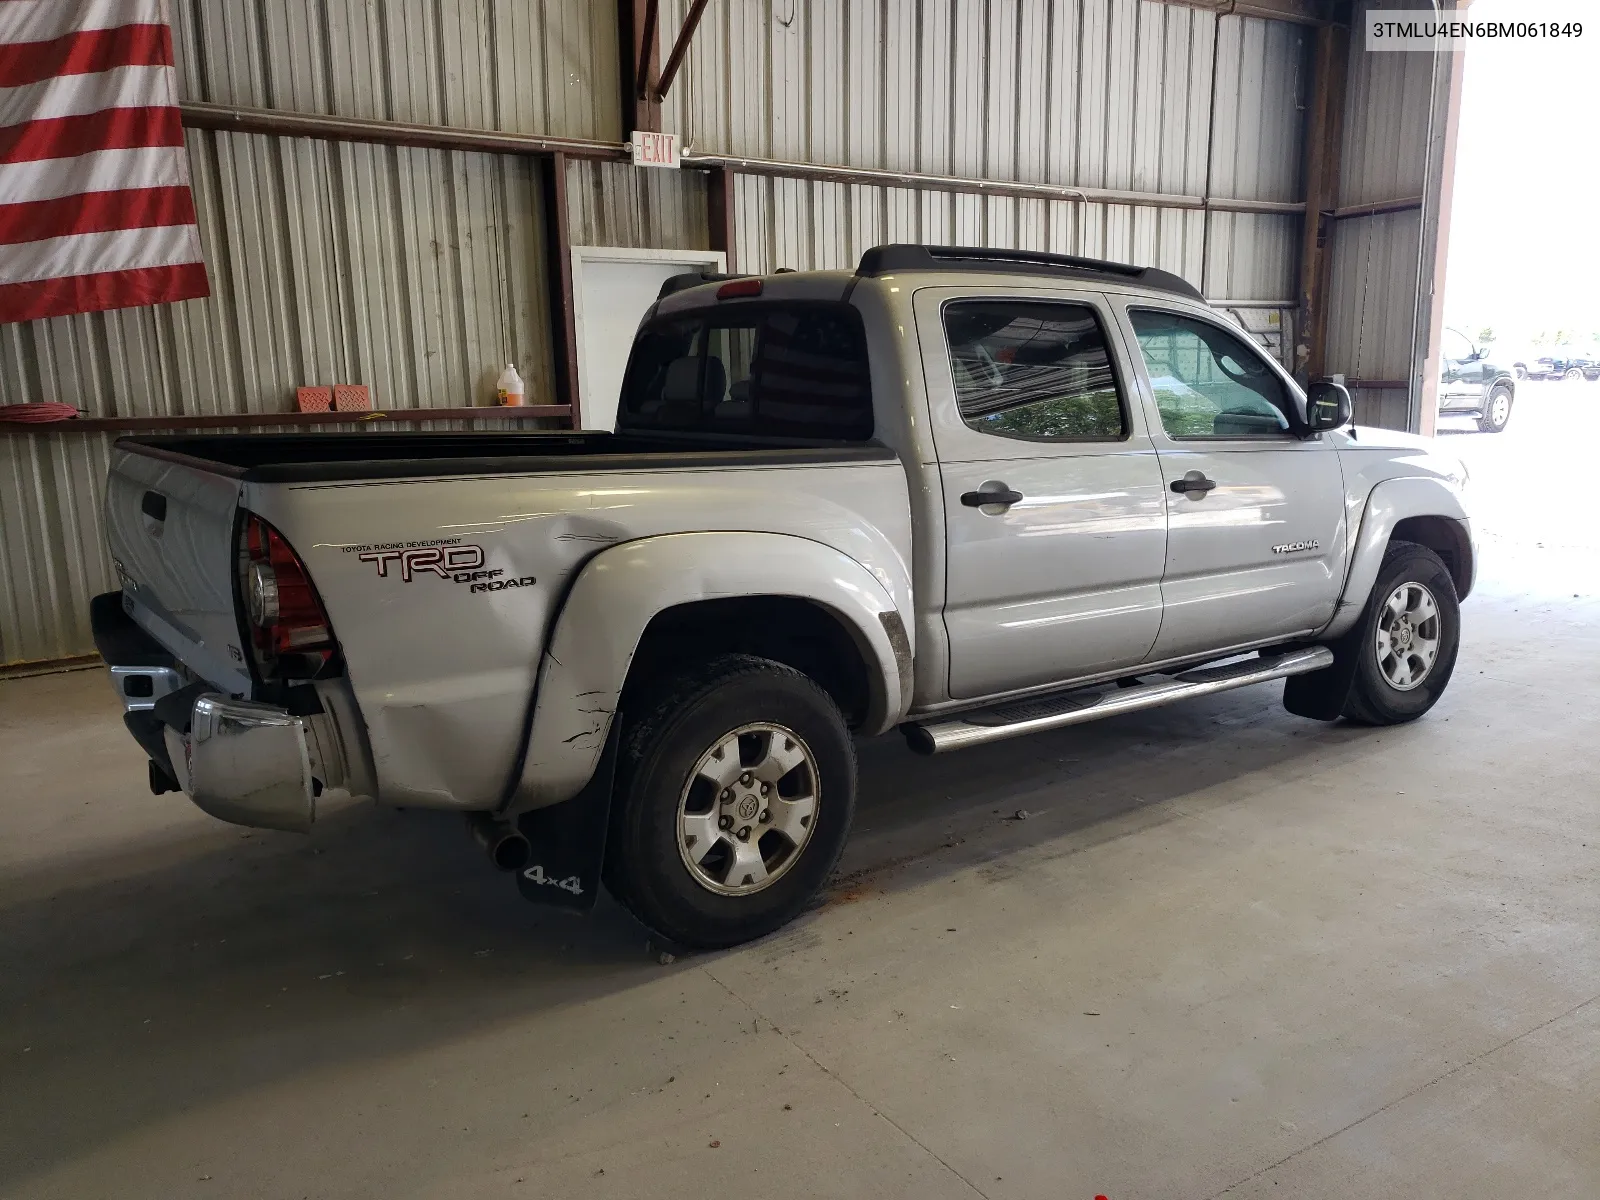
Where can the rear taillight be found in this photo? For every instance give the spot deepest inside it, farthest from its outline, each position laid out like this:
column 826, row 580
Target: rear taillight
column 289, row 631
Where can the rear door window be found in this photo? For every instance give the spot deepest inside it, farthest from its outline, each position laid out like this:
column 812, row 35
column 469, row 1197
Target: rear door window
column 1035, row 371
column 780, row 370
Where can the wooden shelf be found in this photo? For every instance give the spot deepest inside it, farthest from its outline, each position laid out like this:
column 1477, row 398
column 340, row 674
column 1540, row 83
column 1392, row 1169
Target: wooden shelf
column 404, row 416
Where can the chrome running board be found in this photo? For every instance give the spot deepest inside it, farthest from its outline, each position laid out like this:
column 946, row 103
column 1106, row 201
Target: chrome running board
column 1076, row 708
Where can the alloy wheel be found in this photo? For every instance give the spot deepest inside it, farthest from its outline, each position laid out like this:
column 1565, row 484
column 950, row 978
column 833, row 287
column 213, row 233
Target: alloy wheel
column 1408, row 637
column 748, row 809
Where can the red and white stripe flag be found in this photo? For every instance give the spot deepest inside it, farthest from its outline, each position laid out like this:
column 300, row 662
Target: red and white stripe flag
column 95, row 210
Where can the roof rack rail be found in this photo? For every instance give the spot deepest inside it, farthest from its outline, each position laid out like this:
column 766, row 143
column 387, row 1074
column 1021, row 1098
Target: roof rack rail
column 905, row 256
column 677, row 283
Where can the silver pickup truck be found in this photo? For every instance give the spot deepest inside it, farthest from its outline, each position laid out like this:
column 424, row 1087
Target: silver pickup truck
column 969, row 494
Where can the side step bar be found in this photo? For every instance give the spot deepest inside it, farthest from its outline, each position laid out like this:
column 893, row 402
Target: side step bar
column 1076, row 708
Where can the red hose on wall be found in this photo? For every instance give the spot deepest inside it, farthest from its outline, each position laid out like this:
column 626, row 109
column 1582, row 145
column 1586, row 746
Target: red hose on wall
column 36, row 414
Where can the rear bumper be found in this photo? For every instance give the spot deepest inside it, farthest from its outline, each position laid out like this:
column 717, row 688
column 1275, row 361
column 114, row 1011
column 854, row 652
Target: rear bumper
column 246, row 763
column 238, row 760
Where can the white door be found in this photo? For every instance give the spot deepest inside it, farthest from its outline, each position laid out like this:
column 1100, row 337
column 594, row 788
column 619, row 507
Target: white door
column 1255, row 513
column 612, row 289
column 1054, row 515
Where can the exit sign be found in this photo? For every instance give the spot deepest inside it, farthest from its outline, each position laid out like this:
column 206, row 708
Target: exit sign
column 655, row 149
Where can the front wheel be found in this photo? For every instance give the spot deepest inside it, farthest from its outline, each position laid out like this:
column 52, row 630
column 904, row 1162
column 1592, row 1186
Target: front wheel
column 1573, row 374
column 1498, row 411
column 735, row 794
column 1409, row 635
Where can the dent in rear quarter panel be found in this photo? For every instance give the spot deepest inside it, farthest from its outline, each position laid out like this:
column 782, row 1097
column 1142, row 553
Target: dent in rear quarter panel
column 444, row 669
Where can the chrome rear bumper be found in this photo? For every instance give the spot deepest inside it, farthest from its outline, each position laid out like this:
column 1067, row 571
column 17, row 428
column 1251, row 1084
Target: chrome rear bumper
column 246, row 763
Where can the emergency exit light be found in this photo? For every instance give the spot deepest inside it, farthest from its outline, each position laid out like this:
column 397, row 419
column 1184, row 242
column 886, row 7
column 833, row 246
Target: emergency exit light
column 655, row 149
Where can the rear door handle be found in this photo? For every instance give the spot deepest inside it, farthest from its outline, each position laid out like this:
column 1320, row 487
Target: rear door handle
column 1195, row 485
column 154, row 506
column 994, row 495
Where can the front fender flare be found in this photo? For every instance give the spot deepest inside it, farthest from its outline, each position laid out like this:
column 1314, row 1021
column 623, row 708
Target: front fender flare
column 620, row 590
column 1389, row 503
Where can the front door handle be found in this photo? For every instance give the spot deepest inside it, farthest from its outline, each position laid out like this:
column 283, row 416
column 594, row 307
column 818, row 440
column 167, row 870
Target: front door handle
column 1195, row 485
column 993, row 495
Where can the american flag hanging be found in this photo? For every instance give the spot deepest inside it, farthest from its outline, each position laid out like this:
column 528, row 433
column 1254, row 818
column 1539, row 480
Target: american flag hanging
column 95, row 210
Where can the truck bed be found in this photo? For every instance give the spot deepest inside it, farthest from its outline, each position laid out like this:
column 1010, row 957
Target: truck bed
column 325, row 457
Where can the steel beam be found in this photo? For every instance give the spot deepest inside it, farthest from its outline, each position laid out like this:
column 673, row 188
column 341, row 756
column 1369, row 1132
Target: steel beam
column 639, row 59
column 643, row 76
column 691, row 22
column 1324, row 139
column 1300, row 12
column 236, row 119
column 720, row 211
column 558, row 272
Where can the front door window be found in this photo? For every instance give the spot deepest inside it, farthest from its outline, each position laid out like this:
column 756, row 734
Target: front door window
column 1208, row 383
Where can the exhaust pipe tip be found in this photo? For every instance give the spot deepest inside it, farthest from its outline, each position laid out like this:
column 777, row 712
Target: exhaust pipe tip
column 507, row 849
column 510, row 852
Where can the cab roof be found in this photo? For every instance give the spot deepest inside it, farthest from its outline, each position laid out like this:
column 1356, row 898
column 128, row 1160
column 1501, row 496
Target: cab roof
column 694, row 289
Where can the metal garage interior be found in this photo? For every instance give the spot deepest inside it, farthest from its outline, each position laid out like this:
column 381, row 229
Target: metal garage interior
column 387, row 194
column 1208, row 950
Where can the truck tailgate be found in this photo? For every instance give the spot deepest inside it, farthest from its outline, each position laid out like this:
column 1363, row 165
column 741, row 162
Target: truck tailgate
column 171, row 525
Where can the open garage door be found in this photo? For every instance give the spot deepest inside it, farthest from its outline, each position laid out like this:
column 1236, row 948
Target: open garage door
column 1374, row 263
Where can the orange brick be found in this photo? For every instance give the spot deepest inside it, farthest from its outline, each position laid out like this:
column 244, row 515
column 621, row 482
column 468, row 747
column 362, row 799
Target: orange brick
column 351, row 397
column 313, row 399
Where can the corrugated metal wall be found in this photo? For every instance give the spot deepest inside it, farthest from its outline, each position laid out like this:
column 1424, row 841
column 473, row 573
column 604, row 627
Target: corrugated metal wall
column 417, row 272
column 1378, row 261
column 523, row 66
column 1097, row 93
column 420, row 272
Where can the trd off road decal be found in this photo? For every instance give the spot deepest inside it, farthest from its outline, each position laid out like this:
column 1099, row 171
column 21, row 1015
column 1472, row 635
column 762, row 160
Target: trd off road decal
column 446, row 558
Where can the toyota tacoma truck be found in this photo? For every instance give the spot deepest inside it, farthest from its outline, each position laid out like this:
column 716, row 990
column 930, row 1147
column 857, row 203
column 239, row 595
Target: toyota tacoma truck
column 968, row 494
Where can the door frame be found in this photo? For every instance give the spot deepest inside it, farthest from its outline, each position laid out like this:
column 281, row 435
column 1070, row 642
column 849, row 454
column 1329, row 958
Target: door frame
column 956, row 444
column 1167, row 446
column 690, row 260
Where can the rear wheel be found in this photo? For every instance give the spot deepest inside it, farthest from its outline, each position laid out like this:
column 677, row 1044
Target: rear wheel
column 1409, row 635
column 735, row 794
column 1572, row 374
column 1497, row 411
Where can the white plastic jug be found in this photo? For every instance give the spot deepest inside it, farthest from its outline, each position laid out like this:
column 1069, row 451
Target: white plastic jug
column 509, row 388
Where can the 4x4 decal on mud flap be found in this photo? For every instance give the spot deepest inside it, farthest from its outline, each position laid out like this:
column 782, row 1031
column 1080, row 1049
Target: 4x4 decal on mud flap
column 454, row 563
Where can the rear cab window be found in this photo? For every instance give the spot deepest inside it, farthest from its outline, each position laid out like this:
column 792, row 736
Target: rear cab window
column 780, row 369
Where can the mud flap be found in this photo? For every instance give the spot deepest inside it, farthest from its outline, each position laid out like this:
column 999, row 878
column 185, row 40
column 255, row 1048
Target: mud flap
column 1321, row 695
column 568, row 840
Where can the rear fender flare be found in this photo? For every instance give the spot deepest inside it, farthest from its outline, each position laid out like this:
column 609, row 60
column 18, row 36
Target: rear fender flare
column 621, row 589
column 1390, row 502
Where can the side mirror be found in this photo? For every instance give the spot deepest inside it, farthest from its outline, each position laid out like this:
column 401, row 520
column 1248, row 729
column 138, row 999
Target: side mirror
column 1328, row 406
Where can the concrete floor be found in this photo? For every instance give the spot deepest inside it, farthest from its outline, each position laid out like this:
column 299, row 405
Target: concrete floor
column 1227, row 952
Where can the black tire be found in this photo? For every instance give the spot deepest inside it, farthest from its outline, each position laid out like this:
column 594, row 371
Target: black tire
column 1373, row 699
column 1572, row 374
column 673, row 723
column 1487, row 423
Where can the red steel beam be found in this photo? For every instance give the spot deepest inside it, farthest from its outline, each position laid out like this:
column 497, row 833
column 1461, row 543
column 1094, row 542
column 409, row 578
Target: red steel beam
column 680, row 47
